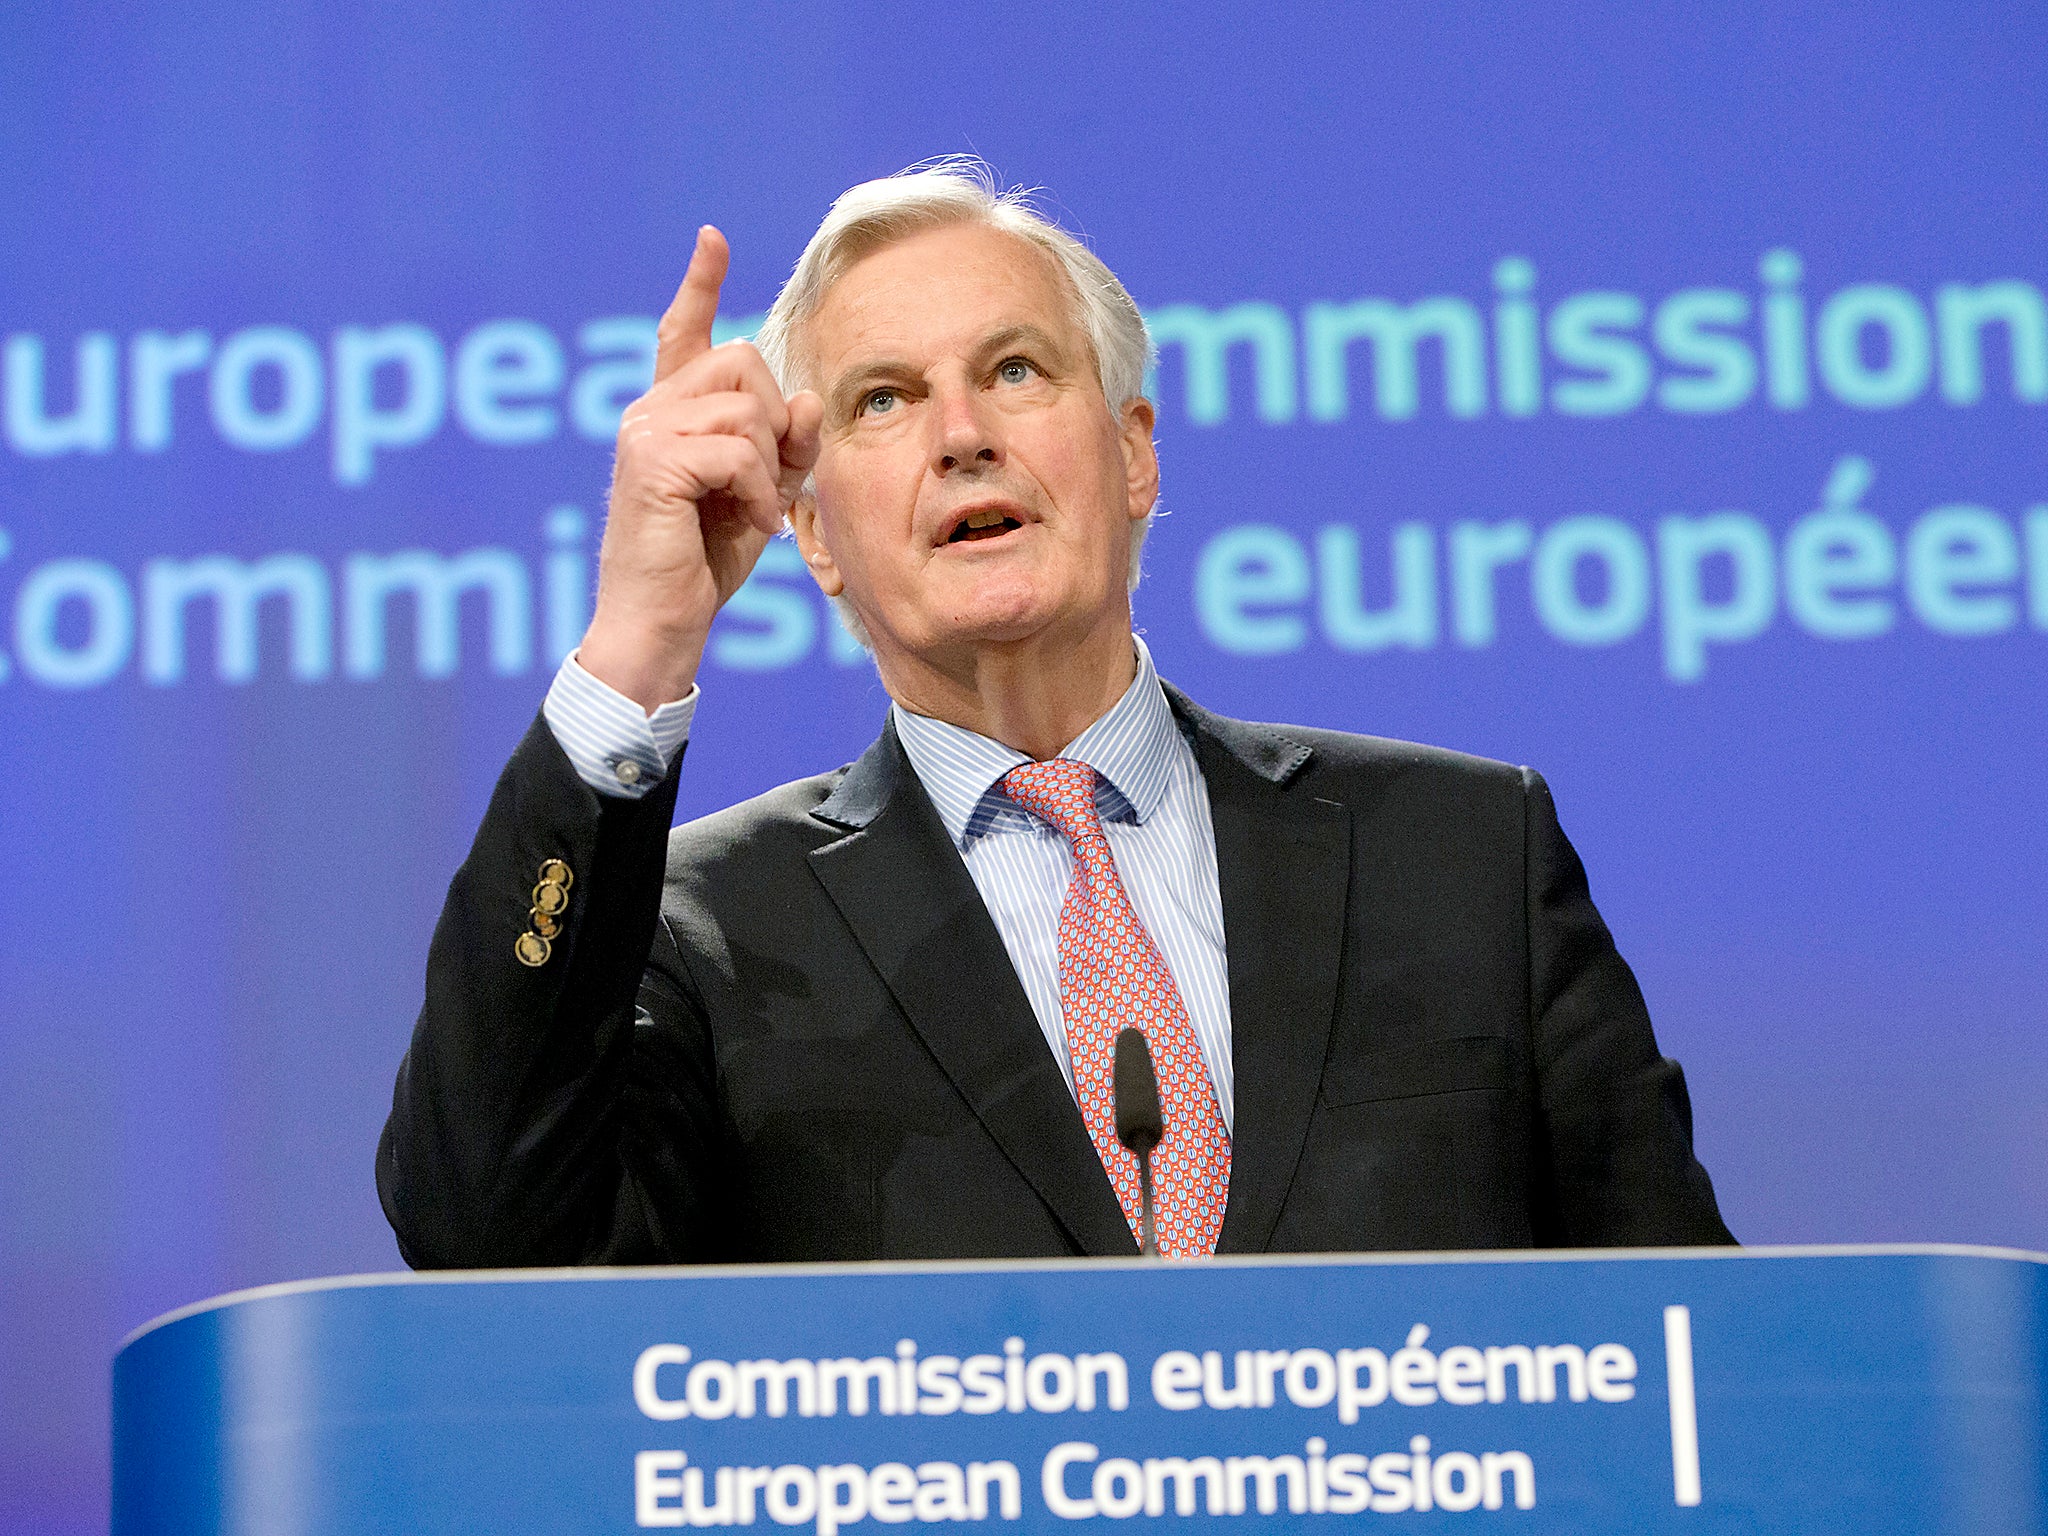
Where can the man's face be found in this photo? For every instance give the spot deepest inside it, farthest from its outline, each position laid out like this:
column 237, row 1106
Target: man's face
column 973, row 486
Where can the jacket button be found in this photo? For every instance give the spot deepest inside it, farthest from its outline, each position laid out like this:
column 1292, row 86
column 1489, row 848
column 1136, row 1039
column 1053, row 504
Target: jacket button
column 549, row 898
column 555, row 872
column 532, row 949
column 543, row 924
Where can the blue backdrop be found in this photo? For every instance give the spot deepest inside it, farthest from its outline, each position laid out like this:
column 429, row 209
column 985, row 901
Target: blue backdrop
column 1656, row 397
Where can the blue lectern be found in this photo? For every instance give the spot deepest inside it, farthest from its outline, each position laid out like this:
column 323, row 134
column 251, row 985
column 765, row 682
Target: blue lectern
column 1797, row 1390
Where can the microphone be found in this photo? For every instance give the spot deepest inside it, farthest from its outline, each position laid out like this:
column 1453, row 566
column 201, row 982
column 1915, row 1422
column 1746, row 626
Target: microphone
column 1139, row 1125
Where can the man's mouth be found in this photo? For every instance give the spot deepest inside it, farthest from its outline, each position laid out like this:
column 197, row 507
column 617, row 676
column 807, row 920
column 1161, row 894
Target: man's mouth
column 990, row 524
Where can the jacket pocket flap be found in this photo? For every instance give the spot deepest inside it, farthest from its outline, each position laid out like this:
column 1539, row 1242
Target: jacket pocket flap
column 1409, row 1071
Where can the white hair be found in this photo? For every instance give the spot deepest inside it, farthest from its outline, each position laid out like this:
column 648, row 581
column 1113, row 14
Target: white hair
column 956, row 189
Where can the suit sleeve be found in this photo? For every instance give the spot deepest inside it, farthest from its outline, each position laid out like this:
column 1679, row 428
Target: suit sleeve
column 1614, row 1120
column 513, row 1134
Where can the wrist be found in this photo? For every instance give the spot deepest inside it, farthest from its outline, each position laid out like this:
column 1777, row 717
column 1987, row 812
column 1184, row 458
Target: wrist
column 652, row 668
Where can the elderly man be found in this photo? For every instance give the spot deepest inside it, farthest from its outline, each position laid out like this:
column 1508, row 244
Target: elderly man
column 870, row 1014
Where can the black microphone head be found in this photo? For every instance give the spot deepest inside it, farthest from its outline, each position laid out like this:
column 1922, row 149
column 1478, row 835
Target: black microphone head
column 1138, row 1122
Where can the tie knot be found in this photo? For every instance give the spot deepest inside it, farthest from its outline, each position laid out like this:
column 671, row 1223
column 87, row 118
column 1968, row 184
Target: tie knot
column 1060, row 791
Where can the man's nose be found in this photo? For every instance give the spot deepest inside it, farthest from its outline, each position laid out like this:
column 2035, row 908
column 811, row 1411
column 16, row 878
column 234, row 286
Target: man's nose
column 964, row 435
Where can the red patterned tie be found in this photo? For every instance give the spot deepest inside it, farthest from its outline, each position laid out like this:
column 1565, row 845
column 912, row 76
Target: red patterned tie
column 1111, row 975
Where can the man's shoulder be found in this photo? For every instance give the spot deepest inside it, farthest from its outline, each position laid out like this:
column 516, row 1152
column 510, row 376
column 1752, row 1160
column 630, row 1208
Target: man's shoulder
column 1426, row 808
column 1308, row 755
column 1352, row 751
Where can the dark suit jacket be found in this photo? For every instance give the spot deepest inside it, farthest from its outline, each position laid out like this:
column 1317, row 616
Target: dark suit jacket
column 809, row 1043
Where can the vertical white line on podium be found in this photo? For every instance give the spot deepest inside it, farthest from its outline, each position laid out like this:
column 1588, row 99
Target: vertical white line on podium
column 1685, row 1424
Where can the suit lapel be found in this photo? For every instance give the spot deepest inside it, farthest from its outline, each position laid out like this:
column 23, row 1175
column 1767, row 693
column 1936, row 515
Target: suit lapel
column 1283, row 860
column 901, row 886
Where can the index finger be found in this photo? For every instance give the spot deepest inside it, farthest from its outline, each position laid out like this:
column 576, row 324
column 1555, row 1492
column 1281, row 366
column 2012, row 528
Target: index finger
column 685, row 330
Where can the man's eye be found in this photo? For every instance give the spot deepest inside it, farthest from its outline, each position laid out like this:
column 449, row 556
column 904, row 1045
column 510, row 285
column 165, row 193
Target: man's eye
column 879, row 402
column 1015, row 371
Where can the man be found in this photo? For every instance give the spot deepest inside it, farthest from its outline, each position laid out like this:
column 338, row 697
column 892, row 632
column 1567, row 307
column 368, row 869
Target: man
column 869, row 1014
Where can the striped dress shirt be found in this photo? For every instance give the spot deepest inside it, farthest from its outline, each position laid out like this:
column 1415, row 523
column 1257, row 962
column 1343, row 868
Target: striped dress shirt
column 1150, row 795
column 1155, row 810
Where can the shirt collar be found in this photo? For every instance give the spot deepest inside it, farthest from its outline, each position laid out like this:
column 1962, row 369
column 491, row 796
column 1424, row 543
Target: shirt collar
column 1131, row 746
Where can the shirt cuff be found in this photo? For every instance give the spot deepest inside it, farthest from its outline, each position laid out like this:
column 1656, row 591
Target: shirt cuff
column 616, row 747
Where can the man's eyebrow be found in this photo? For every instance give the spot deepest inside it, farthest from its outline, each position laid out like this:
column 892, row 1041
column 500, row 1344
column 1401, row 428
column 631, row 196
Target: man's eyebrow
column 856, row 380
column 1021, row 335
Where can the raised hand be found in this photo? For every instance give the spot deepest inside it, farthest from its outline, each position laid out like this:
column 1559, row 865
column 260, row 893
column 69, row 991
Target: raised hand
column 709, row 461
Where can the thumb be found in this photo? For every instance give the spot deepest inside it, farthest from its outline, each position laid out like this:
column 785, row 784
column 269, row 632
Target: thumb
column 798, row 447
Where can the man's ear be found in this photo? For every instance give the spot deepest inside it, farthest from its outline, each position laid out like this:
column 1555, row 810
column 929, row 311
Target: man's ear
column 803, row 521
column 1141, row 458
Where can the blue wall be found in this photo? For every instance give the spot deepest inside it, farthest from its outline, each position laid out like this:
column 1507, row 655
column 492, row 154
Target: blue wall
column 1660, row 402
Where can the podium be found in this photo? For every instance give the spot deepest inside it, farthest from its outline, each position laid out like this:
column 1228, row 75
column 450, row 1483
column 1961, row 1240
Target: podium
column 1792, row 1390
